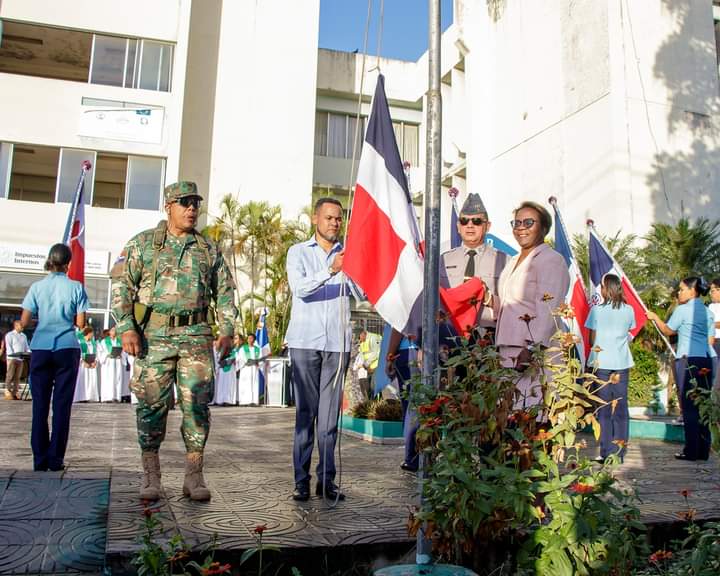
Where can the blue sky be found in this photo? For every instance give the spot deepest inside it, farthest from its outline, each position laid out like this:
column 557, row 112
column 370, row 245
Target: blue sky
column 405, row 26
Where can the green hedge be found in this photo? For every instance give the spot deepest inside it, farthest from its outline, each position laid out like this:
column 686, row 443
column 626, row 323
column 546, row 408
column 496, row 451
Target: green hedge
column 643, row 376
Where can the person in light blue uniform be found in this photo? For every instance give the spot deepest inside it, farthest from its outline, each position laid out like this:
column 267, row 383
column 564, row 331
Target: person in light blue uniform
column 610, row 324
column 59, row 305
column 694, row 325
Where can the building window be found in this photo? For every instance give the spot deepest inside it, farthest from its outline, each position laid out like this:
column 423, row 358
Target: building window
column 69, row 176
column 44, row 51
column 144, row 182
column 131, row 63
column 34, row 173
column 334, row 134
column 407, row 137
column 45, row 174
column 6, row 154
column 110, row 178
column 82, row 56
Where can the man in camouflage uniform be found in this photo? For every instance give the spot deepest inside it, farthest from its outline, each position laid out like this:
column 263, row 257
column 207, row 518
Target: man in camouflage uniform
column 162, row 285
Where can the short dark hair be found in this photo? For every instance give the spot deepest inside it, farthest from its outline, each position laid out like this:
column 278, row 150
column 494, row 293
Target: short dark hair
column 326, row 200
column 696, row 283
column 58, row 257
column 715, row 282
column 614, row 290
column 545, row 218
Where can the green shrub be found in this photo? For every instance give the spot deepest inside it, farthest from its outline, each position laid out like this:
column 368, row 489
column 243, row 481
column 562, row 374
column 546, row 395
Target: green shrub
column 389, row 410
column 643, row 376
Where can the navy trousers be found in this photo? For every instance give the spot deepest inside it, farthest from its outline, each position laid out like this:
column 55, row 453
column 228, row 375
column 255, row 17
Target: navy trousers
column 410, row 420
column 697, row 435
column 614, row 425
column 318, row 384
column 52, row 376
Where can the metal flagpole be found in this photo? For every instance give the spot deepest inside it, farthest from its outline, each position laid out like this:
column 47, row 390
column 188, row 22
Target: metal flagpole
column 430, row 344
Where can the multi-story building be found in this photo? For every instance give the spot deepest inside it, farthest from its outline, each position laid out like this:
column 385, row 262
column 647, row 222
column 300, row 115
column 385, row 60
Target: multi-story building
column 612, row 107
column 149, row 93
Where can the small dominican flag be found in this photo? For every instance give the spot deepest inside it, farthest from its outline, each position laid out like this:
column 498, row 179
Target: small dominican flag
column 601, row 263
column 262, row 340
column 382, row 252
column 576, row 297
column 261, row 335
column 74, row 236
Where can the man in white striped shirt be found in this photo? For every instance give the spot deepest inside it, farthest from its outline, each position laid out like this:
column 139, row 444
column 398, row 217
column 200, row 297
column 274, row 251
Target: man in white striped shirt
column 15, row 344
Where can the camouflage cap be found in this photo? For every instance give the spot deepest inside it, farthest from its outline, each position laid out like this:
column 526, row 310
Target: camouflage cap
column 180, row 190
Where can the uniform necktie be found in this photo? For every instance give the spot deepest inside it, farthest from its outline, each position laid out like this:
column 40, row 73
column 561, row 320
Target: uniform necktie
column 470, row 267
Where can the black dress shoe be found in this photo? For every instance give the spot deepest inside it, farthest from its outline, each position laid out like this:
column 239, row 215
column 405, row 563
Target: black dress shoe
column 683, row 456
column 408, row 467
column 330, row 492
column 301, row 493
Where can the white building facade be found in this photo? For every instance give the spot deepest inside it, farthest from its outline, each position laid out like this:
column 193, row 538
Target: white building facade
column 186, row 90
column 609, row 105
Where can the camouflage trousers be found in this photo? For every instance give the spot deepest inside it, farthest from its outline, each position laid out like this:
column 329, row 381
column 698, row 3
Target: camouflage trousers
column 187, row 361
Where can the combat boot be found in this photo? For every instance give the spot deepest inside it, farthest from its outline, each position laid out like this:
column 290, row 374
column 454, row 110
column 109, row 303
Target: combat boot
column 194, row 484
column 150, row 489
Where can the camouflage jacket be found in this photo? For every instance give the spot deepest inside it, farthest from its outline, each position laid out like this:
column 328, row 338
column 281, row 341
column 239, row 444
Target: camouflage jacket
column 191, row 273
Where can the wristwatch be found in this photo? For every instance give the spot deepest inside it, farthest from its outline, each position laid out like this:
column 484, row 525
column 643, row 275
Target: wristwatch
column 331, row 271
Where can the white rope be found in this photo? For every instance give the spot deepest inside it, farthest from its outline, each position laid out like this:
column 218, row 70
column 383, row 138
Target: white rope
column 343, row 284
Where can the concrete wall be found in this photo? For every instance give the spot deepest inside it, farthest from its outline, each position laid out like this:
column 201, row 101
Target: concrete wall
column 265, row 103
column 610, row 106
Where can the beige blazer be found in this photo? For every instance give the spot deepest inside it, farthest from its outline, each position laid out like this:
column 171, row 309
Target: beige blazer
column 520, row 291
column 489, row 263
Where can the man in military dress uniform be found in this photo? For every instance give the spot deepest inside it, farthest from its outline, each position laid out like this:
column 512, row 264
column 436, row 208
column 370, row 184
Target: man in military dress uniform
column 162, row 286
column 473, row 257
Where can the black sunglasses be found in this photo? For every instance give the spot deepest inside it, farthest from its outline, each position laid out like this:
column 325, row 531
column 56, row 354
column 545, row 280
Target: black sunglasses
column 524, row 223
column 477, row 221
column 187, row 201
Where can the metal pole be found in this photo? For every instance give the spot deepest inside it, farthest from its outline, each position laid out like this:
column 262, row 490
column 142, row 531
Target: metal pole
column 433, row 166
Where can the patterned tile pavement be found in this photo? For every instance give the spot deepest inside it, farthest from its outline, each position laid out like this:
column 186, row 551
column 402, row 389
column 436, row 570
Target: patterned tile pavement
column 79, row 520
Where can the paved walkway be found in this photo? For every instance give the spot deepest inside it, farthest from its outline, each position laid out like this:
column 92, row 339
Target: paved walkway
column 75, row 521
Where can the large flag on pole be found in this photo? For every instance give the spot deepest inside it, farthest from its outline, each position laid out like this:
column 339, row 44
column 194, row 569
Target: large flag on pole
column 576, row 297
column 382, row 254
column 601, row 263
column 74, row 236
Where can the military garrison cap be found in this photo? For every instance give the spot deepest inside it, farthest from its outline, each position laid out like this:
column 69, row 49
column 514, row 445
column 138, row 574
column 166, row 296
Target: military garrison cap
column 180, row 190
column 473, row 205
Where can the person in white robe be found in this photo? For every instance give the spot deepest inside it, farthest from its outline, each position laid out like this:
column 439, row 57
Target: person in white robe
column 109, row 356
column 247, row 363
column 86, row 387
column 226, row 389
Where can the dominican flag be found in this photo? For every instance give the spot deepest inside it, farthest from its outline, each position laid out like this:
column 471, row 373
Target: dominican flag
column 576, row 297
column 261, row 335
column 455, row 239
column 262, row 340
column 601, row 263
column 74, row 235
column 382, row 254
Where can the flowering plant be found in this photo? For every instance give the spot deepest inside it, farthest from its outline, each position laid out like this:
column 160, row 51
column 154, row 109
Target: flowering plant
column 503, row 472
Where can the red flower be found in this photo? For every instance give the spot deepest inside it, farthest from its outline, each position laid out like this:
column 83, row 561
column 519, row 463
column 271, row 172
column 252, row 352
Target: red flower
column 704, row 371
column 684, row 492
column 660, row 556
column 688, row 515
column 260, row 528
column 216, row 568
column 527, row 318
column 580, row 488
column 426, row 409
column 148, row 512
